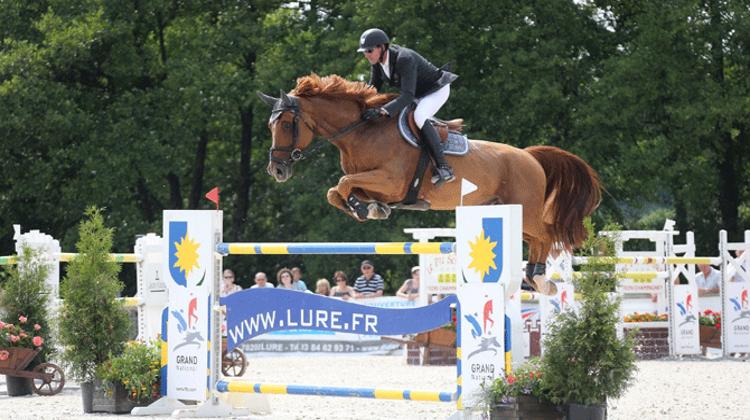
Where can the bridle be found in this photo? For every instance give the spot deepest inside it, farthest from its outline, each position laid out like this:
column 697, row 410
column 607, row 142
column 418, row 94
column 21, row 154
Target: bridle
column 291, row 104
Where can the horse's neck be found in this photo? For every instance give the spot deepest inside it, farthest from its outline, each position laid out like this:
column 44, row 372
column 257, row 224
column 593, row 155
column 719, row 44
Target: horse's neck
column 362, row 148
column 331, row 116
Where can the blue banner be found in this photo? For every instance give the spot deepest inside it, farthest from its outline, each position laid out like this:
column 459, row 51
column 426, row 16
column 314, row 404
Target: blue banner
column 253, row 312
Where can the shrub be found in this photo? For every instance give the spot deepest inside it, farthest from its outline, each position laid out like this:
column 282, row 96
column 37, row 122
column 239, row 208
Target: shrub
column 93, row 323
column 136, row 368
column 584, row 360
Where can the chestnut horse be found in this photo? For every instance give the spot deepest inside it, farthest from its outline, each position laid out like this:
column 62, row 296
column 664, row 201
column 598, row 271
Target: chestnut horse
column 556, row 188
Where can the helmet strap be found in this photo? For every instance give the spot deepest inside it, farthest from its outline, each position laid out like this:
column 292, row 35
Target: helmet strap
column 382, row 53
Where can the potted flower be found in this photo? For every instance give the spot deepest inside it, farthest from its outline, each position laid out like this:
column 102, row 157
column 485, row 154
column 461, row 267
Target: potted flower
column 521, row 394
column 130, row 379
column 585, row 363
column 93, row 323
column 20, row 343
column 24, row 301
column 710, row 328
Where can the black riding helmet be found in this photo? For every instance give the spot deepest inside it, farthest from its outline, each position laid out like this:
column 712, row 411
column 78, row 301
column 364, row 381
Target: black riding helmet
column 371, row 38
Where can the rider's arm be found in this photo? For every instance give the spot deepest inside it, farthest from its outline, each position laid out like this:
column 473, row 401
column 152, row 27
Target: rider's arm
column 407, row 69
column 376, row 79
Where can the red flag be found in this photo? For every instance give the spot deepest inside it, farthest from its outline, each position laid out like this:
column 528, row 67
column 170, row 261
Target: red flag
column 213, row 196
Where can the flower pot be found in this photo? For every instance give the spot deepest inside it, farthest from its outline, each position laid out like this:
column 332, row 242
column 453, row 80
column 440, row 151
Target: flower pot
column 587, row 412
column 18, row 358
column 87, row 396
column 710, row 336
column 17, row 386
column 439, row 337
column 96, row 399
column 526, row 407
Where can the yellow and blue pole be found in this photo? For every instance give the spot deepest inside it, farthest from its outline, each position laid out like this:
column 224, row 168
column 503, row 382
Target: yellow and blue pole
column 508, row 350
column 8, row 260
column 332, row 391
column 336, row 248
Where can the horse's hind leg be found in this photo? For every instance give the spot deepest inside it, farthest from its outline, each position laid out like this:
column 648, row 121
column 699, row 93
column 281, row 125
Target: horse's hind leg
column 539, row 245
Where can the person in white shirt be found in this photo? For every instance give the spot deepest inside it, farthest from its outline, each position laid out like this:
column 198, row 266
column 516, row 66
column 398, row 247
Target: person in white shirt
column 227, row 286
column 708, row 280
column 261, row 280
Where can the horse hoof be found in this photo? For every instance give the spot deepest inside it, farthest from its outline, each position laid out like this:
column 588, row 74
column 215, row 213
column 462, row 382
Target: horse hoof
column 356, row 217
column 544, row 286
column 378, row 211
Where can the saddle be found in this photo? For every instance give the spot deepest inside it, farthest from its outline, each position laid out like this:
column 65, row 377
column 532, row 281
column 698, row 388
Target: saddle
column 453, row 140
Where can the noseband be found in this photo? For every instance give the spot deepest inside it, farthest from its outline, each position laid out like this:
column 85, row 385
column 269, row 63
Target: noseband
column 295, row 154
column 291, row 104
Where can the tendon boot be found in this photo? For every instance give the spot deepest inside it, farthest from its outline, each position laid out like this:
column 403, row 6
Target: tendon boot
column 536, row 278
column 443, row 171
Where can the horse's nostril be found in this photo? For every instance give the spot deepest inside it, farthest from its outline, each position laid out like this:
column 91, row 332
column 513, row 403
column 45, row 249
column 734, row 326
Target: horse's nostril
column 279, row 172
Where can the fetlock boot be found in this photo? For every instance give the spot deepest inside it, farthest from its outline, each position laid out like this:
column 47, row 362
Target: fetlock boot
column 443, row 171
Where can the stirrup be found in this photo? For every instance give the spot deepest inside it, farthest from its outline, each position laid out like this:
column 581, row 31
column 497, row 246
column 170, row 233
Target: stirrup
column 443, row 174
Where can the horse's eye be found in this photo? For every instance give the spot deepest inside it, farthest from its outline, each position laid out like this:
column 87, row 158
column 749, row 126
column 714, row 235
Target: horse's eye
column 286, row 125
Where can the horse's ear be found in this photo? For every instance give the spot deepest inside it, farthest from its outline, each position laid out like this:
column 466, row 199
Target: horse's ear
column 285, row 99
column 267, row 99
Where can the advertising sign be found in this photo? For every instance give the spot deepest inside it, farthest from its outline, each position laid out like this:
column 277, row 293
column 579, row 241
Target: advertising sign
column 189, row 246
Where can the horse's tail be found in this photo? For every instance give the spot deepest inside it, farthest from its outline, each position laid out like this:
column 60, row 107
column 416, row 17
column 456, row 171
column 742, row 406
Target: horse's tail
column 575, row 191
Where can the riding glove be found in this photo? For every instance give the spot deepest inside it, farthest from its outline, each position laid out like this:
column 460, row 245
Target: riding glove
column 372, row 113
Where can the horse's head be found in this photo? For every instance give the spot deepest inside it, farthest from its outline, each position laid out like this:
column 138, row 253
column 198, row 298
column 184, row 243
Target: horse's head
column 291, row 135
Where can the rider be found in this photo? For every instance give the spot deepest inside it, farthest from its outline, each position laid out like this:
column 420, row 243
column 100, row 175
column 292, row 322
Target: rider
column 418, row 79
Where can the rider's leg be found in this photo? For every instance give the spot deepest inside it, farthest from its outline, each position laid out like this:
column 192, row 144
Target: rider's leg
column 426, row 108
column 443, row 171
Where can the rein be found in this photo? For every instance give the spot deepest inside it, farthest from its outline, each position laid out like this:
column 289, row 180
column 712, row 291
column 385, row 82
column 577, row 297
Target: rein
column 296, row 154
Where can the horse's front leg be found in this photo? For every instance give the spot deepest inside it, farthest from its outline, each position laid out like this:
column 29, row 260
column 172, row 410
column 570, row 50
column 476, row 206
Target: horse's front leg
column 336, row 200
column 370, row 184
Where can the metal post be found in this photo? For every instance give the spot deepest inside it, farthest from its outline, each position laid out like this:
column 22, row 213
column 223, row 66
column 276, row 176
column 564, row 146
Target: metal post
column 724, row 254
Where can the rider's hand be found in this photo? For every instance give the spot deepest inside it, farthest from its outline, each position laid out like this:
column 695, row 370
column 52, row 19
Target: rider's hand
column 372, row 113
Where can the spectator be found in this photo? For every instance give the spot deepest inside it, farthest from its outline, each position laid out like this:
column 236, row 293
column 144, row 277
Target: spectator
column 737, row 278
column 227, row 285
column 261, row 280
column 708, row 280
column 299, row 284
column 410, row 288
column 285, row 278
column 341, row 289
column 369, row 284
column 323, row 287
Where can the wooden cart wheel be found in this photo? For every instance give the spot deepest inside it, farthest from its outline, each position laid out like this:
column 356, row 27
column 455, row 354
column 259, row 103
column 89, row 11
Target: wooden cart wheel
column 53, row 382
column 233, row 363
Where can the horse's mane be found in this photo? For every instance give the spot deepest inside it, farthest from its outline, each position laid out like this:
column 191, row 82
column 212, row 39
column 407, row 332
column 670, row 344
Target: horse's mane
column 336, row 87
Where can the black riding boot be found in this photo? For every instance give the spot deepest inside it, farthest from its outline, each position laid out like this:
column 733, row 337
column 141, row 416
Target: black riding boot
column 443, row 171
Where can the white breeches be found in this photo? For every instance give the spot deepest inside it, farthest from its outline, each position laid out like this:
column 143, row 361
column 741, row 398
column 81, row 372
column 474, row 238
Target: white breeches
column 430, row 105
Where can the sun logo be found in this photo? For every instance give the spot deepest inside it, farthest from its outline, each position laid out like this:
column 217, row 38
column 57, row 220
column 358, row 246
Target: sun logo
column 187, row 255
column 482, row 254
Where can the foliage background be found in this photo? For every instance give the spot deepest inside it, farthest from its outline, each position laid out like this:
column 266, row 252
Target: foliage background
column 143, row 106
